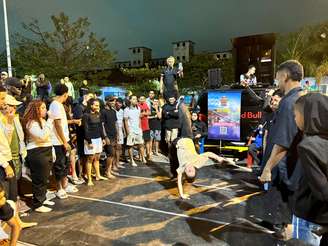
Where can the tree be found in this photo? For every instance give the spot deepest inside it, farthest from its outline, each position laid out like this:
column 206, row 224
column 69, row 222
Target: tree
column 69, row 49
column 309, row 45
column 196, row 71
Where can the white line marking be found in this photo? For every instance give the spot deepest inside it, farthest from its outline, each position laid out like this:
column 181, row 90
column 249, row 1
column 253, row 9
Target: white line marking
column 195, row 184
column 171, row 213
column 150, row 210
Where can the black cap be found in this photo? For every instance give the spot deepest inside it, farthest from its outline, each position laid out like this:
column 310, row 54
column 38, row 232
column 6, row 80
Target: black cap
column 12, row 81
column 119, row 100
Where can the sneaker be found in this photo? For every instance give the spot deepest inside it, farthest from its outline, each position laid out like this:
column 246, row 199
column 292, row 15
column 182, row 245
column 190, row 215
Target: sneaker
column 22, row 207
column 134, row 164
column 43, row 209
column 50, row 195
column 71, row 189
column 61, row 194
column 49, row 203
column 77, row 181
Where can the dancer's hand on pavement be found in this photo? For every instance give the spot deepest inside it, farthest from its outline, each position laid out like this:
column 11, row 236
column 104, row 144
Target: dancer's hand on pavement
column 266, row 175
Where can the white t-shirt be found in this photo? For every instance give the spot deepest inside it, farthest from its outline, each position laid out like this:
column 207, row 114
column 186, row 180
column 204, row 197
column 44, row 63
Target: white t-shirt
column 120, row 116
column 57, row 112
column 133, row 116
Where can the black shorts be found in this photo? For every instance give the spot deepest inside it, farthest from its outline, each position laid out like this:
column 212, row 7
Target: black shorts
column 146, row 135
column 61, row 165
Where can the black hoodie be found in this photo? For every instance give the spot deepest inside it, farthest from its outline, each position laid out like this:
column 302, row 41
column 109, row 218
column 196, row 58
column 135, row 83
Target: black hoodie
column 310, row 200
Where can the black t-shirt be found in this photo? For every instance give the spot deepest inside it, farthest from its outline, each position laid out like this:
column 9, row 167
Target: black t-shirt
column 6, row 212
column 170, row 76
column 108, row 117
column 92, row 126
column 154, row 123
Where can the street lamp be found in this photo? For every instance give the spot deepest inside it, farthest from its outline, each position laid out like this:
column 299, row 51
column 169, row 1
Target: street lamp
column 10, row 73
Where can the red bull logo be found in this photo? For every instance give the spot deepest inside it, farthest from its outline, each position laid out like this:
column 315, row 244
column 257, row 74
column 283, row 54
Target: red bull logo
column 251, row 115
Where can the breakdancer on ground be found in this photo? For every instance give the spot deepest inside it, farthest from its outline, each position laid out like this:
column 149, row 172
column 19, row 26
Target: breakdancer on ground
column 184, row 159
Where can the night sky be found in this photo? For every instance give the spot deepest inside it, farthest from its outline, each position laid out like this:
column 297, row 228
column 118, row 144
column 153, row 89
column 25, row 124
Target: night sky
column 157, row 23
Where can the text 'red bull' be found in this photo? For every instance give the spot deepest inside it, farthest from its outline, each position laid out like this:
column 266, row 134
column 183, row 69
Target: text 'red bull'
column 251, row 115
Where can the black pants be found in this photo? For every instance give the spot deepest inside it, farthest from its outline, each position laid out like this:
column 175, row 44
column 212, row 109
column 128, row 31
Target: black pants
column 40, row 162
column 174, row 162
column 61, row 165
column 10, row 185
column 252, row 150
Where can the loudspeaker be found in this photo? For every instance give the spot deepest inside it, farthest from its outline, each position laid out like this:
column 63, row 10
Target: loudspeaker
column 214, row 78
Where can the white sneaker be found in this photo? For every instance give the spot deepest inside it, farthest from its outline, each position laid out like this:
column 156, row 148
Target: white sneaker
column 50, row 195
column 61, row 194
column 71, row 189
column 49, row 203
column 43, row 209
column 134, row 164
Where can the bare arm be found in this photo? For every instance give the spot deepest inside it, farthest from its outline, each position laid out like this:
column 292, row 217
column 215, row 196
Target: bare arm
column 15, row 230
column 126, row 126
column 180, row 186
column 60, row 131
column 277, row 154
column 161, row 85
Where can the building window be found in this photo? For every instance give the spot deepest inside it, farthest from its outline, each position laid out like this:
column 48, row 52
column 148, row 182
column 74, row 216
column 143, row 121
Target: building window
column 178, row 45
column 139, row 62
column 138, row 50
column 134, row 51
column 183, row 58
column 218, row 56
column 178, row 57
column 224, row 55
column 134, row 62
column 183, row 44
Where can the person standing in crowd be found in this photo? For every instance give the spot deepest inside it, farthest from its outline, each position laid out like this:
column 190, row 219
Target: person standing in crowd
column 84, row 89
column 150, row 98
column 16, row 141
column 69, row 84
column 309, row 203
column 168, row 80
column 94, row 136
column 249, row 78
column 199, row 129
column 60, row 139
column 155, row 127
column 4, row 76
column 145, row 112
column 121, row 130
column 171, row 120
column 14, row 87
column 127, row 99
column 7, row 173
column 26, row 86
column 79, row 110
column 72, row 124
column 39, row 152
column 109, row 121
column 133, row 129
column 42, row 87
column 283, row 142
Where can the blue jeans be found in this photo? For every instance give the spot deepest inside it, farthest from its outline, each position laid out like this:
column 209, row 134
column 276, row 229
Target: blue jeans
column 302, row 230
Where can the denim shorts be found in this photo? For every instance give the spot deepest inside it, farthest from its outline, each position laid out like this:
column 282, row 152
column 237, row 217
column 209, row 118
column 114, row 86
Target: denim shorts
column 155, row 134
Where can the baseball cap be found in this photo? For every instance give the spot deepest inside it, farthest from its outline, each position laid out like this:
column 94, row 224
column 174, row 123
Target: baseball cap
column 4, row 73
column 10, row 100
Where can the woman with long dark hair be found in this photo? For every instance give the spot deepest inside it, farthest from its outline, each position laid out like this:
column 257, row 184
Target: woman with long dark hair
column 39, row 152
column 93, row 139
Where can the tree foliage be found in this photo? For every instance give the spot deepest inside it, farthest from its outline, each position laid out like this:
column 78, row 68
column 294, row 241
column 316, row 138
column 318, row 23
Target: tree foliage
column 309, row 45
column 69, row 49
column 196, row 71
